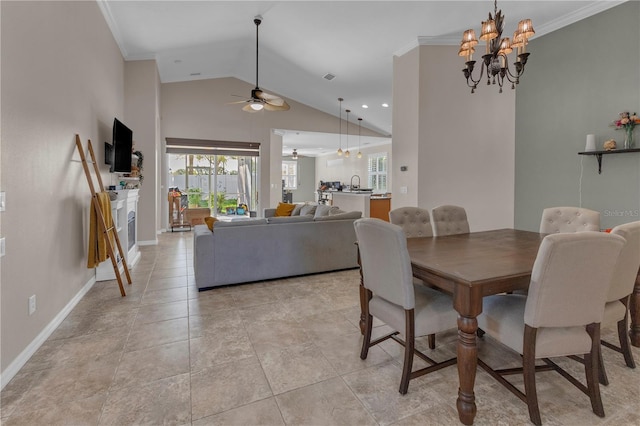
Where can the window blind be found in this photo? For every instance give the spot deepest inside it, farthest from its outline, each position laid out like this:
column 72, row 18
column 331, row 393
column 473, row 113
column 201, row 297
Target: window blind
column 211, row 147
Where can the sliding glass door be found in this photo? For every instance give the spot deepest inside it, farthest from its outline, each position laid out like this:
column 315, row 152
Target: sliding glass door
column 218, row 182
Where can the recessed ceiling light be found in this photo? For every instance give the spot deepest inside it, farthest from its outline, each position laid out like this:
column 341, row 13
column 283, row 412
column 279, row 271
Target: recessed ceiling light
column 365, row 106
column 194, row 73
column 385, row 105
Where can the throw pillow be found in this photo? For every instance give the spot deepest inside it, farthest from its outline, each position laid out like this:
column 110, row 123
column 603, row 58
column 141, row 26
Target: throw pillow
column 322, row 210
column 308, row 209
column 335, row 210
column 210, row 221
column 296, row 210
column 284, row 209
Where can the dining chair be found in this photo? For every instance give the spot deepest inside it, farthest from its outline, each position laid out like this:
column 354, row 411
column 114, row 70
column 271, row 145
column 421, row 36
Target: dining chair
column 616, row 309
column 449, row 220
column 392, row 298
column 569, row 219
column 414, row 221
column 560, row 316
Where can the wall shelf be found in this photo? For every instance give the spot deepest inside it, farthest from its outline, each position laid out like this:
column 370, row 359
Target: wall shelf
column 599, row 154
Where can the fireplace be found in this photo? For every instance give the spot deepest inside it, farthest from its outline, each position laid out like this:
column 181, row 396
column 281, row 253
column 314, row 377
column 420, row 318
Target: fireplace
column 131, row 229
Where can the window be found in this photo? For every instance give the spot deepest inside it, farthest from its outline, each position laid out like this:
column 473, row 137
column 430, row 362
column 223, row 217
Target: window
column 290, row 174
column 378, row 172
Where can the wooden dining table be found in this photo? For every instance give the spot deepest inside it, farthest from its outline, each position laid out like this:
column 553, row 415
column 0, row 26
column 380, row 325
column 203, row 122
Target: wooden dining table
column 470, row 267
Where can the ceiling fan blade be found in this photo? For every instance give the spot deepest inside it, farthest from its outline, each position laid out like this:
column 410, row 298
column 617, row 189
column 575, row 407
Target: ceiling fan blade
column 238, row 102
column 270, row 107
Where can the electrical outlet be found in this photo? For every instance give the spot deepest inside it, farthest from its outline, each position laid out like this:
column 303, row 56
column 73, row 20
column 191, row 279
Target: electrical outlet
column 32, row 304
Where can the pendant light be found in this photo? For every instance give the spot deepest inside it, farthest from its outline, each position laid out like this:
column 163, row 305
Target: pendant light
column 340, row 132
column 347, row 153
column 359, row 136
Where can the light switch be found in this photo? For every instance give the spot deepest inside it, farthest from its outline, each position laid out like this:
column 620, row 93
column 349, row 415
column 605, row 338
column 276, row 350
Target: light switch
column 2, row 198
column 2, row 247
column 403, row 190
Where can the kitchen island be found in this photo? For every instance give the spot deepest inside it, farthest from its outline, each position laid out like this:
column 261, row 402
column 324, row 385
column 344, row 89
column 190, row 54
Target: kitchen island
column 363, row 201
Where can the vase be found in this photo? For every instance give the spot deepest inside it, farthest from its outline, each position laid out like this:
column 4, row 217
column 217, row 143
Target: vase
column 628, row 138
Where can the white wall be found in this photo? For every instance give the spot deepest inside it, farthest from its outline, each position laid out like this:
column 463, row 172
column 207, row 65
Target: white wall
column 62, row 74
column 142, row 92
column 465, row 150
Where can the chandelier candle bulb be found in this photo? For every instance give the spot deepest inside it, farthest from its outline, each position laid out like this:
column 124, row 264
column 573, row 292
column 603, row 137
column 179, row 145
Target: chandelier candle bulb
column 591, row 143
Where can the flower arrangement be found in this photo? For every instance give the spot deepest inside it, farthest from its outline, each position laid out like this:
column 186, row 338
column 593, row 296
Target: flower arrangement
column 627, row 122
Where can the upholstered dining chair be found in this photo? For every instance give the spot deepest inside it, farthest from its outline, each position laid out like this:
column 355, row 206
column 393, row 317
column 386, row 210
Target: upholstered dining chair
column 449, row 220
column 561, row 315
column 569, row 219
column 616, row 310
column 393, row 299
column 414, row 221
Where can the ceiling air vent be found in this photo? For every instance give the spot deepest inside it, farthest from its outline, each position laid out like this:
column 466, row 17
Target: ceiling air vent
column 328, row 76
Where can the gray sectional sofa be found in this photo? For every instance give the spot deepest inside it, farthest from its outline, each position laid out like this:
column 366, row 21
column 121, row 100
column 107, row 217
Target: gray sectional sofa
column 274, row 247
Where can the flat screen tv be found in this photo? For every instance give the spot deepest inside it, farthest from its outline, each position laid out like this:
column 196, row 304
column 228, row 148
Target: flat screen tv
column 118, row 154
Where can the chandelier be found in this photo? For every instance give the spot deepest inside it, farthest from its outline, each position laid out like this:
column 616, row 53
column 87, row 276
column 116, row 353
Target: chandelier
column 495, row 59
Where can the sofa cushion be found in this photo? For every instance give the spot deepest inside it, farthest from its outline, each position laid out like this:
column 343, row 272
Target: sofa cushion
column 210, row 221
column 308, row 209
column 340, row 216
column 335, row 210
column 296, row 209
column 289, row 219
column 284, row 209
column 243, row 222
column 322, row 210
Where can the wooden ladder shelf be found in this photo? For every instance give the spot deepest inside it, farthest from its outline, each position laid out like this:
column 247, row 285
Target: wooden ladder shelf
column 102, row 225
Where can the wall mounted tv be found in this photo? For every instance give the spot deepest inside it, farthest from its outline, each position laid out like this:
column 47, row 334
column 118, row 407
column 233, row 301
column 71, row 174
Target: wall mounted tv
column 118, row 153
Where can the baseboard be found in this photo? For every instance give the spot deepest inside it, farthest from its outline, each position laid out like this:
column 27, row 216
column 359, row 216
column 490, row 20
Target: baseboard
column 148, row 243
column 13, row 368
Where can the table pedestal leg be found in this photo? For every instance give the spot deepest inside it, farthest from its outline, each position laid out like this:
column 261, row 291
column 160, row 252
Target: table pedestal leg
column 467, row 363
column 634, row 310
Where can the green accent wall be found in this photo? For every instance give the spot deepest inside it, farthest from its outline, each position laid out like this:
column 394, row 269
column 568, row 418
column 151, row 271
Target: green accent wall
column 578, row 80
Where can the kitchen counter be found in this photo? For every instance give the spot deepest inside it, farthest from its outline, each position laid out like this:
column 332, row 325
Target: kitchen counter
column 370, row 205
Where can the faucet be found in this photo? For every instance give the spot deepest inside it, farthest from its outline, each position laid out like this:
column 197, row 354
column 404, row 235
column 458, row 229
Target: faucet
column 352, row 186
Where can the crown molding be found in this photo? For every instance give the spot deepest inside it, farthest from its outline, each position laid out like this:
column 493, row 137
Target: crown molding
column 113, row 26
column 578, row 15
column 585, row 12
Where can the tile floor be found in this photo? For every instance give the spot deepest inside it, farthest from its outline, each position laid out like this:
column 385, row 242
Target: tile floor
column 272, row 353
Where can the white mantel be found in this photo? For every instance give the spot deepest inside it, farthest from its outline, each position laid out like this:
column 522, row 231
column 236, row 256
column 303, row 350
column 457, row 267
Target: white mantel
column 125, row 204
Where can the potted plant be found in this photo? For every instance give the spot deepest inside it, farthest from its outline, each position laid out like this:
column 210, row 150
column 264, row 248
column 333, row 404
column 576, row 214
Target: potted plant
column 136, row 168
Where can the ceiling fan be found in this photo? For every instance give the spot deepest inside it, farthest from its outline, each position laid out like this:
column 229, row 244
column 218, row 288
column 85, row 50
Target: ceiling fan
column 295, row 155
column 259, row 99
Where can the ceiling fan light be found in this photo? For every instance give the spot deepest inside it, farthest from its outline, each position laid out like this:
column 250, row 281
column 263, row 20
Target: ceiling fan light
column 256, row 106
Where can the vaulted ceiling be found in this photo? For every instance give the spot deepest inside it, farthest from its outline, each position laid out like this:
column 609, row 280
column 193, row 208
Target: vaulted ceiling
column 302, row 41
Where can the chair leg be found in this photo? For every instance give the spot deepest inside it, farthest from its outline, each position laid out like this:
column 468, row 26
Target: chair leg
column 368, row 324
column 409, row 346
column 432, row 341
column 602, row 373
column 529, row 371
column 591, row 370
column 624, row 342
